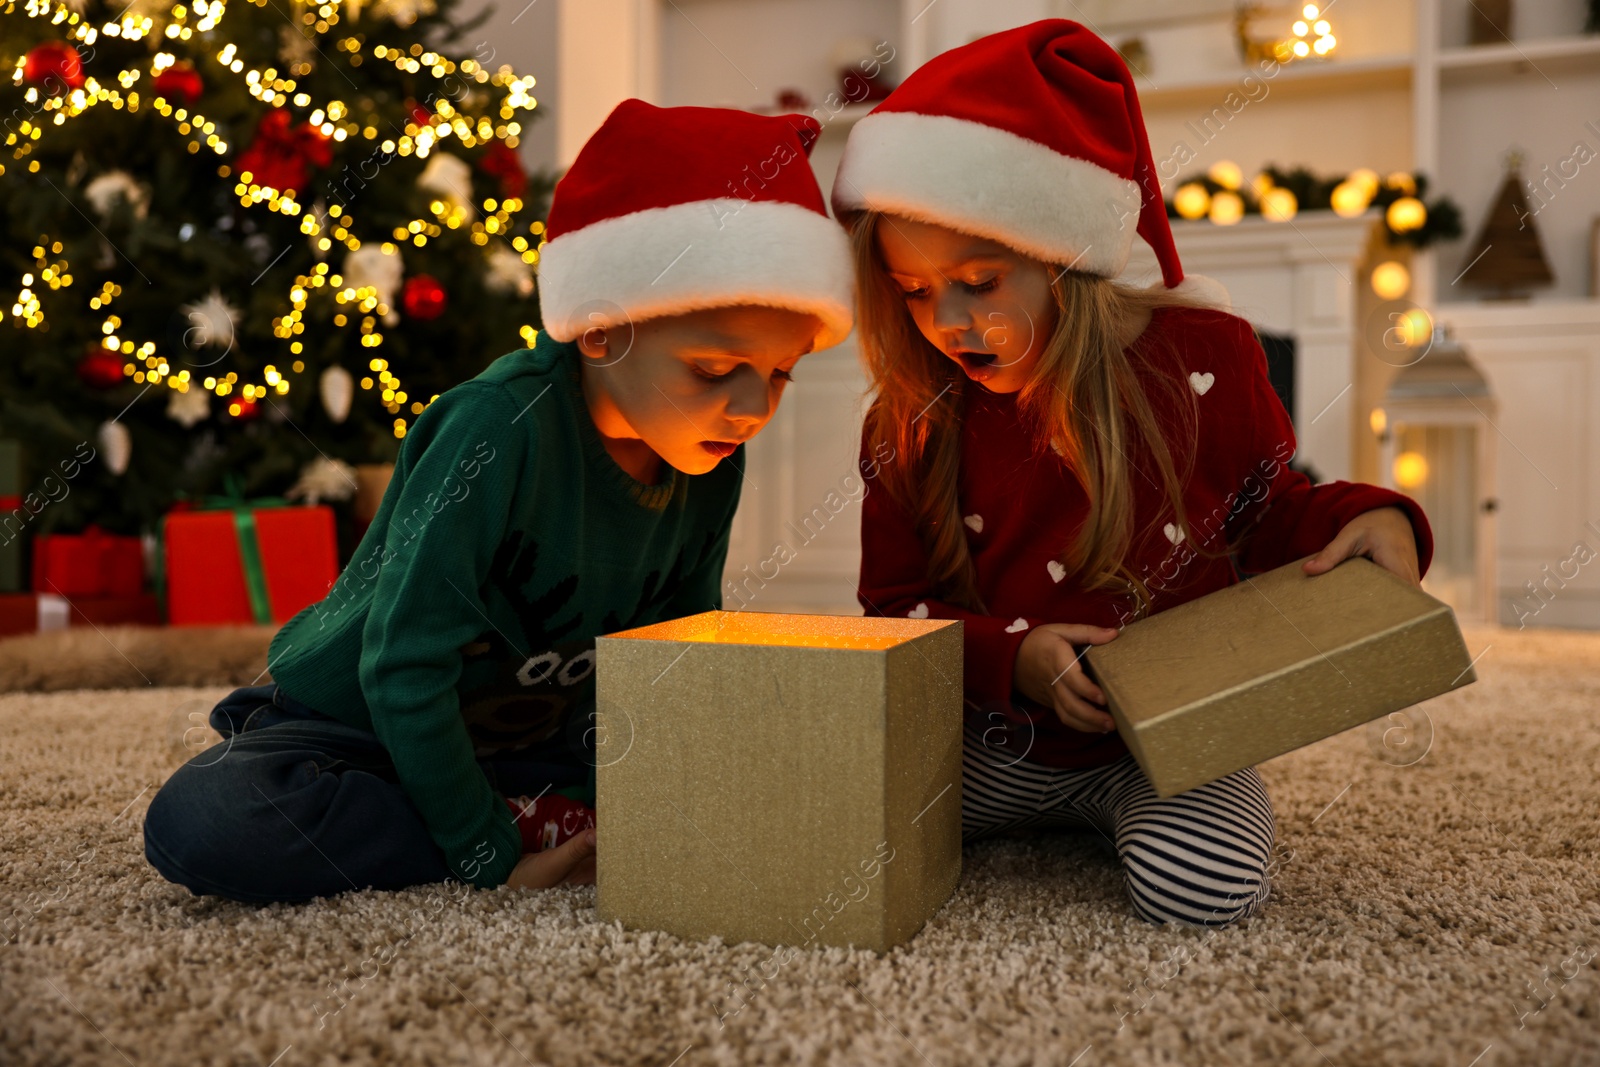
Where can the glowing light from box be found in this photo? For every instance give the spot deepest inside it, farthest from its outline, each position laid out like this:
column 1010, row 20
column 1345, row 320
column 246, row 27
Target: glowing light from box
column 788, row 631
column 1391, row 280
column 1410, row 470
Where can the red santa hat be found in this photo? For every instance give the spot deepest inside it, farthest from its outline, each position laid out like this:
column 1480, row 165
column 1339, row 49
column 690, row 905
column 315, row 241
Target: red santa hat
column 1032, row 137
column 670, row 210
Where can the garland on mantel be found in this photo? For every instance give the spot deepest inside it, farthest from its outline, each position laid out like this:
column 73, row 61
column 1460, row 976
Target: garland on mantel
column 1222, row 196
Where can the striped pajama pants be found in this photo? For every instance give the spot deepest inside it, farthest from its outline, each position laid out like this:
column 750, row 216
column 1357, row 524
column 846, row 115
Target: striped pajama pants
column 1198, row 859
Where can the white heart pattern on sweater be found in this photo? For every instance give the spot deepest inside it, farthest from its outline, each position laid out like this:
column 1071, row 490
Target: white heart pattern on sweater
column 1174, row 534
column 1201, row 383
column 1017, row 627
column 974, row 521
column 918, row 612
column 1057, row 571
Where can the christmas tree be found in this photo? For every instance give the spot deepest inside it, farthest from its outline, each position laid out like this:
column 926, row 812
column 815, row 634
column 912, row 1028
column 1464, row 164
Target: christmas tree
column 249, row 241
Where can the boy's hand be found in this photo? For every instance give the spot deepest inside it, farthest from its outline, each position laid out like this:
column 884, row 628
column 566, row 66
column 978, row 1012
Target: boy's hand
column 1383, row 535
column 569, row 863
column 1048, row 673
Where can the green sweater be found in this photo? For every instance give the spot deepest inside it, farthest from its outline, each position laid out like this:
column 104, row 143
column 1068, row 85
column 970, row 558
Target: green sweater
column 463, row 628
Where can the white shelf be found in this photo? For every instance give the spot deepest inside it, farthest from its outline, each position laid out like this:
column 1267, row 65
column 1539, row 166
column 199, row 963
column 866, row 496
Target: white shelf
column 1550, row 56
column 1379, row 72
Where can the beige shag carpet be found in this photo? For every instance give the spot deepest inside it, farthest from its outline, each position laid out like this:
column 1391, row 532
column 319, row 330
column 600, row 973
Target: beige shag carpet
column 1444, row 911
column 126, row 657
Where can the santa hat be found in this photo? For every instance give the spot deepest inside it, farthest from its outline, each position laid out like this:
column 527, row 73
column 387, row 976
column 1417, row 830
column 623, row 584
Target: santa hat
column 670, row 210
column 1032, row 137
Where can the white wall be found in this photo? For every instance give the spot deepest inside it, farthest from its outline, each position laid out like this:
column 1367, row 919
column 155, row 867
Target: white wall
column 523, row 33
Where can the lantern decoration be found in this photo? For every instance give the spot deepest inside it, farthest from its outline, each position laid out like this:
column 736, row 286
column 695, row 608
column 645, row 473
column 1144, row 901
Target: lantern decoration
column 337, row 388
column 423, row 298
column 179, row 81
column 1437, row 442
column 117, row 444
column 55, row 64
column 100, row 368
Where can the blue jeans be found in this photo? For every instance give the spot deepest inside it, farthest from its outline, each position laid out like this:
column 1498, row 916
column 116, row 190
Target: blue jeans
column 293, row 804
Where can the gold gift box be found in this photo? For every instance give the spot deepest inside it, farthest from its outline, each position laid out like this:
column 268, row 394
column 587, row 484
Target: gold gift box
column 1275, row 662
column 788, row 779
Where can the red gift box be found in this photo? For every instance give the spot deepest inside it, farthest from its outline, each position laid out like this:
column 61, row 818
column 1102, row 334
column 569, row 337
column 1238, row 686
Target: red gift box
column 246, row 564
column 91, row 564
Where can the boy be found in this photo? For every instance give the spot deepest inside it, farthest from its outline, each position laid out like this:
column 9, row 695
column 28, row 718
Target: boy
column 578, row 488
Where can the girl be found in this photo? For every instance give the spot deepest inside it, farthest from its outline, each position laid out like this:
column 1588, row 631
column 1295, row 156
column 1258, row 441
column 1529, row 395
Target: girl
column 1080, row 453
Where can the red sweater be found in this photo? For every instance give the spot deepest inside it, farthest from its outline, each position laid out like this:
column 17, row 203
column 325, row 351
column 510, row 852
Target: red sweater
column 1022, row 505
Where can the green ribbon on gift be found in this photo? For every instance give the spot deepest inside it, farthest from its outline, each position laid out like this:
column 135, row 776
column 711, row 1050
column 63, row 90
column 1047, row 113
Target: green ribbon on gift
column 244, row 525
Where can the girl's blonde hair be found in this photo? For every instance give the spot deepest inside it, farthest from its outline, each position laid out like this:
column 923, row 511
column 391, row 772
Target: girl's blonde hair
column 1088, row 400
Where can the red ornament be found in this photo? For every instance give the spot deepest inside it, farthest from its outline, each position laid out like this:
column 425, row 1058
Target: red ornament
column 180, row 80
column 101, row 368
column 55, row 60
column 501, row 161
column 423, row 298
column 248, row 408
column 282, row 157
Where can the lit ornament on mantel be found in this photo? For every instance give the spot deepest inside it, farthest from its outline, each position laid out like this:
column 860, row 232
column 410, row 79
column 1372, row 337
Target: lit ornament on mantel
column 1192, row 201
column 1227, row 208
column 1279, row 204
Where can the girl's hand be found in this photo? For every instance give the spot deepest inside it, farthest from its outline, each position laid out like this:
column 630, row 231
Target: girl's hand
column 1048, row 672
column 1383, row 535
column 569, row 863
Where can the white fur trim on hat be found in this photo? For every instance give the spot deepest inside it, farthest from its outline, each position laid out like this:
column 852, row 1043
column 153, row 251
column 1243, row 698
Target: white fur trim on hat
column 698, row 255
column 986, row 181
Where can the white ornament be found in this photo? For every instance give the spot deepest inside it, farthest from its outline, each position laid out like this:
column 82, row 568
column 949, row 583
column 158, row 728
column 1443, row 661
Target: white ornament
column 1174, row 534
column 449, row 177
column 324, row 479
column 918, row 612
column 1057, row 571
column 106, row 189
column 507, row 273
column 211, row 322
column 337, row 387
column 1200, row 383
column 974, row 521
column 371, row 265
column 1017, row 627
column 189, row 406
column 294, row 47
column 117, row 445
